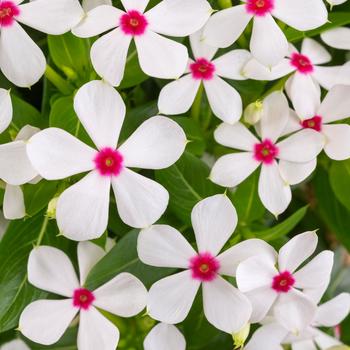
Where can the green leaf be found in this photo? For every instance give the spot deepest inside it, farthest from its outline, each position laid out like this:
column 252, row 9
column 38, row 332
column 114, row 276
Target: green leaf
column 124, row 258
column 339, row 177
column 187, row 183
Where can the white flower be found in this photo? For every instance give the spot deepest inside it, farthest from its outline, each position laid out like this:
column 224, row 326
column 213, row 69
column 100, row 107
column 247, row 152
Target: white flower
column 45, row 321
column 268, row 43
column 16, row 169
column 21, row 60
column 90, row 4
column 226, row 103
column 337, row 37
column 5, row 109
column 16, row 344
column 170, row 299
column 272, row 335
column 293, row 152
column 164, row 336
column 158, row 56
column 284, row 290
column 82, row 209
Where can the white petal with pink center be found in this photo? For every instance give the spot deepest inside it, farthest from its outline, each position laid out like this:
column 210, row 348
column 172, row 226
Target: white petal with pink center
column 5, row 109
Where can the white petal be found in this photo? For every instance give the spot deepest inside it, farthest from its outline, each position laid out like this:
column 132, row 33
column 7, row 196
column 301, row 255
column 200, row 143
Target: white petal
column 98, row 20
column 139, row 5
column 225, row 27
column 315, row 52
column 13, row 205
column 235, row 136
column 231, row 169
column 275, row 116
column 161, row 57
column 301, row 15
column 327, row 77
column 334, row 311
column 164, row 336
column 140, row 201
column 224, row 100
column 337, row 37
column 232, row 257
column 170, row 299
column 304, row 345
column 26, row 133
column 325, row 341
column 337, row 141
column 296, row 251
column 268, row 43
column 294, row 311
column 178, row 17
column 51, row 16
column 108, row 55
column 213, row 219
column 90, row 4
column 177, row 97
column 124, row 295
column 16, row 344
column 56, row 154
column 230, row 65
column 51, row 270
column 5, row 109
column 82, row 209
column 199, row 48
column 101, row 110
column 164, row 246
column 96, row 331
column 156, row 144
column 21, row 60
column 225, row 307
column 293, row 124
column 274, row 193
column 45, row 321
column 294, row 173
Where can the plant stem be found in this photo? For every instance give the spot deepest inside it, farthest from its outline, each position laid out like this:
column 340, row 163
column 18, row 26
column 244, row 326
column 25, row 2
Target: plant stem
column 61, row 84
column 196, row 107
column 224, row 4
column 43, row 230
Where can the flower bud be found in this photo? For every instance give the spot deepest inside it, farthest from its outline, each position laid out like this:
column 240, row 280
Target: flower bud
column 241, row 336
column 253, row 112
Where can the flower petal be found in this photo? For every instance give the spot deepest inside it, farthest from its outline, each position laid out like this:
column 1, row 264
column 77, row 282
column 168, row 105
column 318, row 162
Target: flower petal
column 140, row 201
column 199, row 48
column 82, row 209
column 5, row 109
column 338, row 38
column 315, row 51
column 45, row 321
column 294, row 173
column 337, row 145
column 91, row 4
column 170, row 299
column 304, row 345
column 101, row 110
column 225, row 307
column 325, row 341
column 13, row 205
column 16, row 344
column 56, row 154
column 164, row 246
column 296, row 251
column 139, row 5
column 51, row 270
column 328, row 77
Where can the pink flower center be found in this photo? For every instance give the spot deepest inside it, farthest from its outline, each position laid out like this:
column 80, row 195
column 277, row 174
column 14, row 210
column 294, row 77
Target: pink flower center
column 133, row 23
column 283, row 282
column 83, row 298
column 312, row 123
column 202, row 69
column 302, row 63
column 265, row 152
column 8, row 10
column 259, row 7
column 109, row 162
column 204, row 267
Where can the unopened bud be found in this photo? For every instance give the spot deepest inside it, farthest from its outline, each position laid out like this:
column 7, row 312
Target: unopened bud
column 51, row 209
column 241, row 336
column 253, row 112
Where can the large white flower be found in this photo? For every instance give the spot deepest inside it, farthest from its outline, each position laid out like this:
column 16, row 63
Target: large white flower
column 82, row 209
column 268, row 43
column 5, row 109
column 170, row 299
column 158, row 56
column 272, row 335
column 226, row 103
column 45, row 321
column 21, row 60
column 283, row 290
column 293, row 153
column 337, row 37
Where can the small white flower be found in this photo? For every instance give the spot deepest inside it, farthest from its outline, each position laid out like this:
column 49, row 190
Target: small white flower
column 293, row 152
column 283, row 291
column 16, row 344
column 225, row 102
column 5, row 109
column 45, row 321
column 158, row 56
column 170, row 299
column 338, row 38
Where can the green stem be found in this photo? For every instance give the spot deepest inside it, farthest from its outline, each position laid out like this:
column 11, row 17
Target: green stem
column 61, row 84
column 224, row 4
column 43, row 230
column 196, row 107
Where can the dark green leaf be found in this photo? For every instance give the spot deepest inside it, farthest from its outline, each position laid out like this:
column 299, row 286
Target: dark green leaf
column 339, row 177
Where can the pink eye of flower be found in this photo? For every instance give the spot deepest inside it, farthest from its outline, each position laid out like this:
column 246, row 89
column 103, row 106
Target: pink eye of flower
column 8, row 10
column 133, row 23
column 302, row 63
column 314, row 123
column 202, row 69
column 83, row 298
column 265, row 152
column 204, row 267
column 259, row 7
column 109, row 162
column 283, row 282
